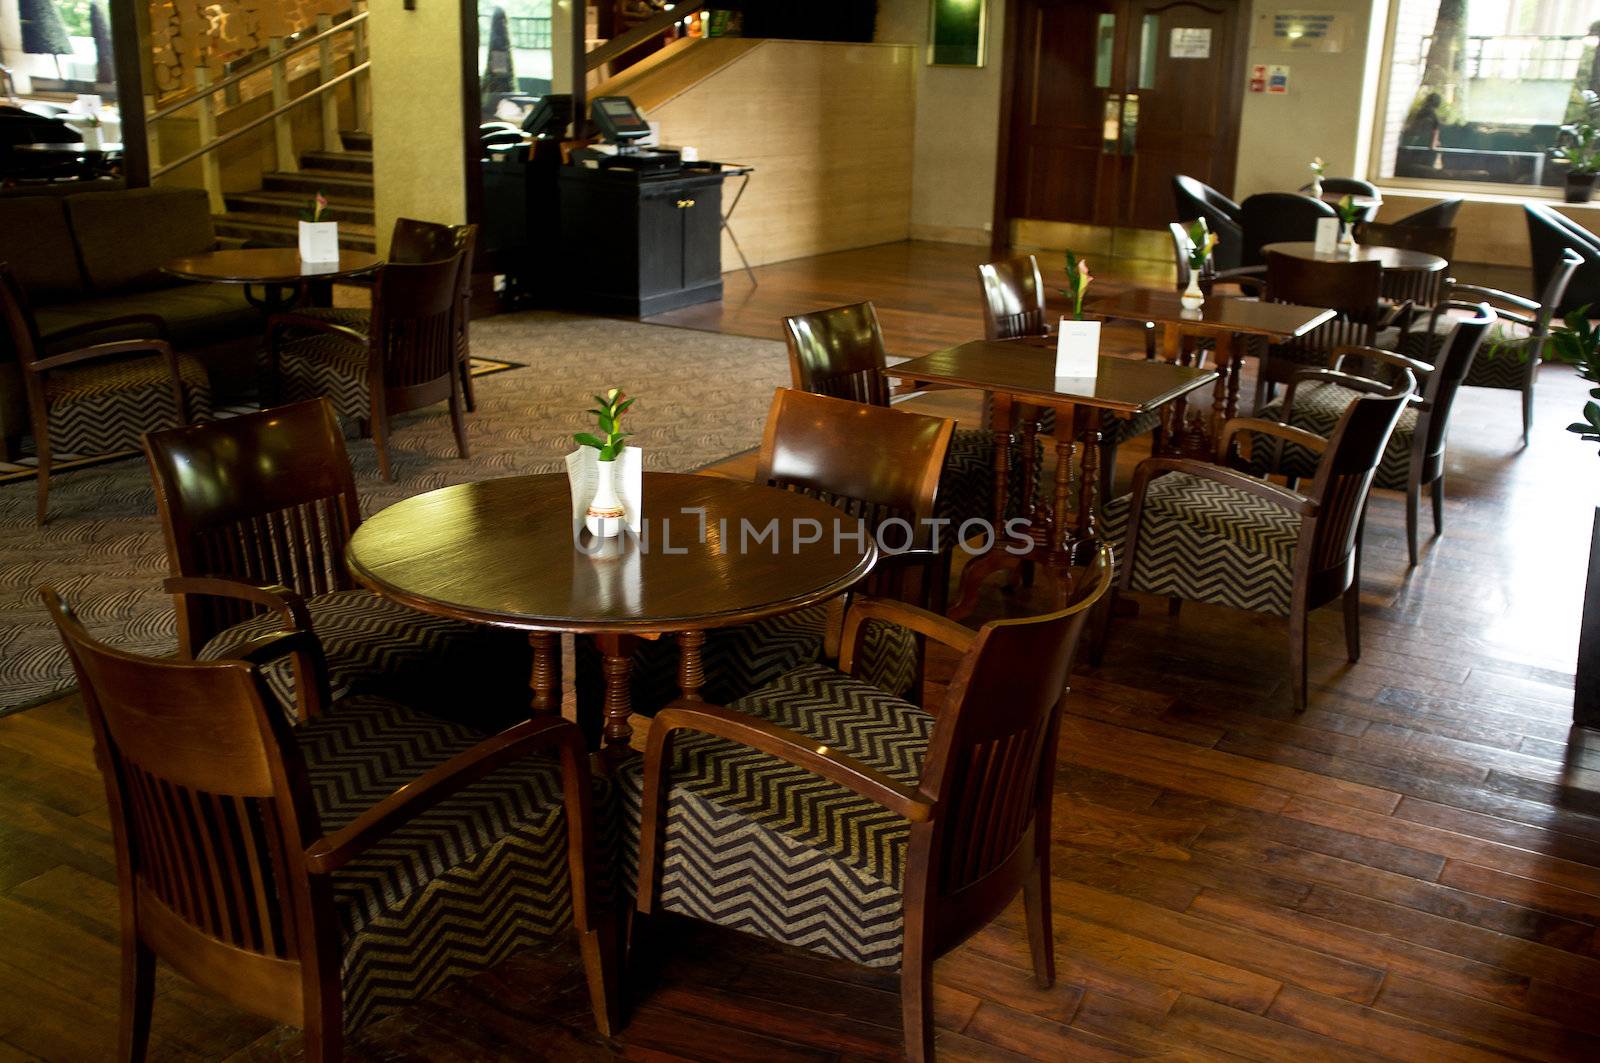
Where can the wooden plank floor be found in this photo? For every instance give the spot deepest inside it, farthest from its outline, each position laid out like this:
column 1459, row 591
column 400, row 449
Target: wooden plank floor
column 1410, row 870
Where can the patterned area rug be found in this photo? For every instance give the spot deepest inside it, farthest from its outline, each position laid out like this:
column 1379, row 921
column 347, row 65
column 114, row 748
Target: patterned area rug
column 701, row 397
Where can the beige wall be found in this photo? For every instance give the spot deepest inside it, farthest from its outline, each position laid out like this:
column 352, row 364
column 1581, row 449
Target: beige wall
column 418, row 142
column 957, row 128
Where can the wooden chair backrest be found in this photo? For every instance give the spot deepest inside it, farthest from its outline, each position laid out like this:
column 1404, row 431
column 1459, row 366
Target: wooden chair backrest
column 265, row 497
column 21, row 330
column 210, row 814
column 838, row 352
column 1555, row 290
column 421, row 241
column 1344, row 475
column 990, row 766
column 1441, row 215
column 1439, row 390
column 413, row 329
column 1422, row 287
column 1352, row 289
column 1013, row 299
column 873, row 462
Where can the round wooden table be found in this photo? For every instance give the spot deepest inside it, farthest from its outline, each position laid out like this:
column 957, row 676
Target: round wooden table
column 273, row 268
column 1391, row 258
column 711, row 553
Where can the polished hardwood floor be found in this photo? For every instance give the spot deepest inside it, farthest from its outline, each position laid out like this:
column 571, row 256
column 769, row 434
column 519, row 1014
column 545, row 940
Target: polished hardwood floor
column 1410, row 870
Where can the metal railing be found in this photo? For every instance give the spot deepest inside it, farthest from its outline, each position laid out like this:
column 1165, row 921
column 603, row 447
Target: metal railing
column 526, row 33
column 203, row 99
column 1524, row 57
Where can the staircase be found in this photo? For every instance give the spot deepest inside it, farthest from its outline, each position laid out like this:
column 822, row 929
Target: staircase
column 269, row 217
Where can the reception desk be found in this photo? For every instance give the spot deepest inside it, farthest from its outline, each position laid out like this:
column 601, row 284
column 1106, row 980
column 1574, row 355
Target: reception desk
column 639, row 244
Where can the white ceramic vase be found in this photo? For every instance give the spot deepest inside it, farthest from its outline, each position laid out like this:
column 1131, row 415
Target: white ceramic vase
column 605, row 516
column 1193, row 298
column 1316, row 187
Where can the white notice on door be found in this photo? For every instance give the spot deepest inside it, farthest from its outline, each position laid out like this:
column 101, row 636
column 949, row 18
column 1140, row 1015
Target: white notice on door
column 1191, row 42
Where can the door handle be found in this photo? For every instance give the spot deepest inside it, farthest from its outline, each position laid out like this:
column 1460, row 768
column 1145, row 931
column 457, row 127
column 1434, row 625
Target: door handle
column 685, row 204
column 1130, row 123
column 1111, row 125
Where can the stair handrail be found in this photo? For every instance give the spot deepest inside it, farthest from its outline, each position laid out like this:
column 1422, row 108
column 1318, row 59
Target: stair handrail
column 349, row 22
column 627, row 42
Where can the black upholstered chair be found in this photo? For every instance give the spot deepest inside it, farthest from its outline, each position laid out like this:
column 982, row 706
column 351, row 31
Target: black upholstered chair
column 1550, row 233
column 1278, row 217
column 1441, row 215
column 1352, row 186
column 1196, row 199
column 1414, row 459
column 823, row 812
column 1210, row 533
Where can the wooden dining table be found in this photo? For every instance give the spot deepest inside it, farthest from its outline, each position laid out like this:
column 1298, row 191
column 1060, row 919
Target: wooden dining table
column 1062, row 530
column 274, row 270
column 711, row 553
column 1391, row 259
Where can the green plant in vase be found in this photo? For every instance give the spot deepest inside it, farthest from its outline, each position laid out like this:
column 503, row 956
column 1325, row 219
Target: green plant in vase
column 1078, row 281
column 604, row 517
column 1201, row 243
column 1349, row 214
column 1578, row 145
column 1318, row 168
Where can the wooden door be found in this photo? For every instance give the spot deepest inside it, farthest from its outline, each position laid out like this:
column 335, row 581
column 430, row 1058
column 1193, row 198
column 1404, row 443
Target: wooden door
column 1113, row 98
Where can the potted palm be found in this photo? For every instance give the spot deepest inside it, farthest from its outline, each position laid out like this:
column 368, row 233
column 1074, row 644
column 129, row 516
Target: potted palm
column 1577, row 342
column 1579, row 147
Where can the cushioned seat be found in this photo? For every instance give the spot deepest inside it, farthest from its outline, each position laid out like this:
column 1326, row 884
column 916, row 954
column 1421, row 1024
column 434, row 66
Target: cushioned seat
column 1317, row 408
column 1206, row 541
column 375, row 646
column 458, row 889
column 104, row 407
column 326, row 365
column 197, row 315
column 764, row 847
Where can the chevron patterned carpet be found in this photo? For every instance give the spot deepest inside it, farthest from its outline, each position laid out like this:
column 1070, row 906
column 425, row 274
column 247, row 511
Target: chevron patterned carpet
column 702, row 396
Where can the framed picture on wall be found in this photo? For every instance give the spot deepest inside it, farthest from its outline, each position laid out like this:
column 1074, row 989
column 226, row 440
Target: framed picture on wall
column 956, row 32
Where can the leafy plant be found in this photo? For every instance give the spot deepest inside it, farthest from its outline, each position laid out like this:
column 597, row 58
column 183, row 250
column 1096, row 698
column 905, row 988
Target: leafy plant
column 1578, row 144
column 608, row 413
column 1349, row 213
column 1577, row 342
column 1318, row 167
column 313, row 213
column 1201, row 243
column 1077, row 283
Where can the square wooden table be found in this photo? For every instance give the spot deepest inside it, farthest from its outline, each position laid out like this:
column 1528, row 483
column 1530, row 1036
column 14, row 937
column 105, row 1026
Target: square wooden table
column 1023, row 371
column 1223, row 319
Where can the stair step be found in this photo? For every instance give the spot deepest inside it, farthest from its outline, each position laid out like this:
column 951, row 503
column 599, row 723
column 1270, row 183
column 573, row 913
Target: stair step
column 307, row 183
column 292, row 204
column 356, row 139
column 338, row 161
column 277, row 230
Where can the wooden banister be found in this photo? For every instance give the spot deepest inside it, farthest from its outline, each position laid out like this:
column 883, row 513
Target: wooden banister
column 619, row 46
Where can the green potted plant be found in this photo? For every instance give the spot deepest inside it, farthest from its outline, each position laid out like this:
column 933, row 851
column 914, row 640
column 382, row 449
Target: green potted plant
column 1577, row 342
column 1078, row 340
column 604, row 517
column 1201, row 242
column 1318, row 169
column 1578, row 145
column 1349, row 214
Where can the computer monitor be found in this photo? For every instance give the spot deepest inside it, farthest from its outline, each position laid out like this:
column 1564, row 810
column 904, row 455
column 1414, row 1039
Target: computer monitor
column 551, row 115
column 619, row 120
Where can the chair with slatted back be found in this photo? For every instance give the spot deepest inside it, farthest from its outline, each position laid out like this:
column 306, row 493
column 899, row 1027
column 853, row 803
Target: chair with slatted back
column 409, row 358
column 1207, row 532
column 1414, row 459
column 88, row 398
column 839, row 352
column 823, row 812
column 1421, row 288
column 874, row 464
column 1353, row 290
column 327, row 874
column 256, row 511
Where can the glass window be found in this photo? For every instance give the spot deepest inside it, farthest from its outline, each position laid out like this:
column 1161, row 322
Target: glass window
column 1105, row 40
column 514, row 56
column 1149, row 50
column 1478, row 89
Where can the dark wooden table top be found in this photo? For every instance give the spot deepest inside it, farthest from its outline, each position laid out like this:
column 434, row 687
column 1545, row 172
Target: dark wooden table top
column 501, row 552
column 268, row 265
column 1026, row 369
column 1249, row 317
column 1396, row 258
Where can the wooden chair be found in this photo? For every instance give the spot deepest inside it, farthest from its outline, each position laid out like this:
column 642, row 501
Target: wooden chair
column 1515, row 347
column 1553, row 238
column 1353, row 289
column 1421, row 288
column 97, row 398
column 1205, row 532
column 839, row 352
column 876, row 465
column 327, row 874
column 409, row 357
column 256, row 511
column 872, row 831
column 1414, row 458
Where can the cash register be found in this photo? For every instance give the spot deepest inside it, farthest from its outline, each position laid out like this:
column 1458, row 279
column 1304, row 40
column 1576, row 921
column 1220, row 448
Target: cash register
column 624, row 129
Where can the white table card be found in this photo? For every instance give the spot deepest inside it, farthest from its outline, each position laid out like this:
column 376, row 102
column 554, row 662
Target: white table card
column 1078, row 349
column 1327, row 236
column 319, row 241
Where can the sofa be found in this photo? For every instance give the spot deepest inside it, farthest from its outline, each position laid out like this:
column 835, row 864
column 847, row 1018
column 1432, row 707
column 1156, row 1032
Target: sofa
column 98, row 255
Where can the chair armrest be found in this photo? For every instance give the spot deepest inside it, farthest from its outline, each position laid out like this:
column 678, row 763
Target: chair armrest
column 789, row 746
column 278, row 322
column 155, row 321
column 274, row 596
column 931, row 625
column 313, row 693
column 1293, row 501
column 333, row 851
column 104, row 350
column 1336, row 359
column 1366, row 385
column 1494, row 295
column 1398, row 315
column 1261, row 426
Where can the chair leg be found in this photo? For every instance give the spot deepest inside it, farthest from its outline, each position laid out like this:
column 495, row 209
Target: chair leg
column 1041, row 937
column 138, row 998
column 1527, row 412
column 601, row 961
column 1149, row 341
column 1297, row 654
column 42, row 444
column 916, row 1006
column 1413, row 516
column 1438, row 505
column 1108, row 467
column 467, row 393
column 458, row 422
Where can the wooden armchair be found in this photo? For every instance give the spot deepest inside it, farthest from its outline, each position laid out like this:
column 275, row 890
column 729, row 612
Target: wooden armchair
column 1414, row 457
column 97, row 398
column 326, row 875
column 409, row 357
column 1210, row 533
column 824, row 813
column 256, row 511
column 1353, row 290
column 1420, row 288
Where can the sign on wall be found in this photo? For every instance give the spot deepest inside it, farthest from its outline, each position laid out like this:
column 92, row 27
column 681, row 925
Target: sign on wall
column 1190, row 42
column 1300, row 31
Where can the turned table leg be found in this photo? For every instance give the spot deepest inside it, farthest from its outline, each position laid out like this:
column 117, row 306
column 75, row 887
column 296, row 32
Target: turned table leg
column 1227, row 368
column 1000, row 413
column 546, row 680
column 617, row 668
column 691, row 668
column 1088, row 430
